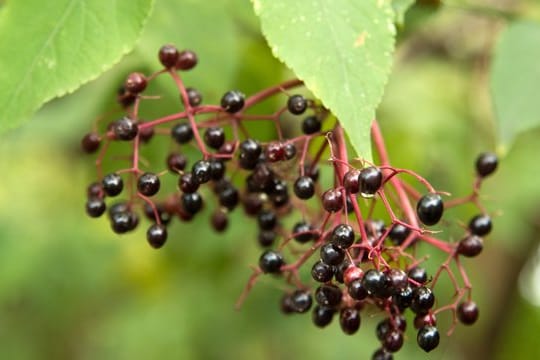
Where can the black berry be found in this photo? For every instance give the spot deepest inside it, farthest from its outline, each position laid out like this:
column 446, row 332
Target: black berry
column 331, row 254
column 271, row 262
column 182, row 133
column 90, row 143
column 342, row 236
column 304, row 187
column 470, row 246
column 214, row 137
column 201, row 171
column 322, row 272
column 486, row 164
column 112, row 184
column 168, row 55
column 328, row 295
column 370, row 179
column 349, row 320
column 176, row 162
column 428, row 338
column 430, row 209
column 233, row 101
column 148, row 184
column 480, row 225
column 156, row 235
column 422, row 300
column 297, row 104
column 303, row 232
column 187, row 60
column 467, row 312
column 194, row 96
column 322, row 316
column 95, row 207
column 192, row 202
column 332, row 200
column 125, row 129
column 311, row 125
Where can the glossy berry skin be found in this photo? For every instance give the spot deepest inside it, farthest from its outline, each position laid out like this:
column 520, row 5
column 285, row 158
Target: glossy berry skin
column 90, row 143
column 422, row 300
column 125, row 129
column 290, row 151
column 182, row 133
column 233, row 101
column 322, row 316
column 148, row 184
column 194, row 96
column 156, row 235
column 328, row 295
column 303, row 232
column 267, row 220
column 322, row 272
column 201, row 171
column 135, row 83
column 342, row 236
column 217, row 169
column 428, row 338
column 351, row 181
column 467, row 312
column 275, row 151
column 393, row 341
column 398, row 234
column 470, row 246
column 311, row 125
column 332, row 200
column 187, row 183
column 430, row 209
column 271, row 262
column 370, row 179
column 228, row 197
column 376, row 283
column 357, row 290
column 250, row 151
column 112, row 184
column 304, row 188
column 297, row 104
column 187, row 60
column 403, row 299
column 418, row 274
column 214, row 137
column 301, row 301
column 266, row 238
column 382, row 354
column 168, row 56
column 176, row 162
column 95, row 207
column 486, row 164
column 480, row 225
column 192, row 202
column 123, row 222
column 349, row 320
column 331, row 254
column 398, row 280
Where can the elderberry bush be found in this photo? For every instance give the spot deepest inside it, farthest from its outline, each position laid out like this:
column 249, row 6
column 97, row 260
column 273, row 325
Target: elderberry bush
column 338, row 259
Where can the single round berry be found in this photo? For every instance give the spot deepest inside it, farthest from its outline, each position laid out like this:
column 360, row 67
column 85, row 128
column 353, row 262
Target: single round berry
column 375, row 282
column 430, row 209
column 322, row 272
column 267, row 220
column 125, row 129
column 266, row 238
column 148, row 184
column 398, row 280
column 328, row 295
column 187, row 60
column 201, row 171
column 290, row 151
column 168, row 55
column 349, row 320
column 486, row 164
column 322, row 316
column 480, row 225
column 342, row 236
column 304, row 188
column 187, row 183
column 370, row 179
column 351, row 181
column 467, row 312
column 135, row 83
column 301, row 301
column 194, row 96
column 422, row 300
column 176, row 162
column 382, row 354
column 297, row 104
column 90, row 143
column 250, row 151
column 112, row 184
column 233, row 101
column 303, row 232
column 357, row 290
column 428, row 338
column 331, row 254
column 333, row 200
column 192, row 202
column 398, row 234
column 217, row 169
column 393, row 341
column 156, row 235
column 95, row 207
column 182, row 133
column 271, row 262
column 286, row 304
column 122, row 222
column 418, row 274
column 470, row 246
column 252, row 203
column 403, row 299
column 311, row 125
column 228, row 197
column 214, row 137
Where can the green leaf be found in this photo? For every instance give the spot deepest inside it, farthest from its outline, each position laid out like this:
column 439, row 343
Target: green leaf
column 48, row 50
column 515, row 81
column 400, row 8
column 342, row 50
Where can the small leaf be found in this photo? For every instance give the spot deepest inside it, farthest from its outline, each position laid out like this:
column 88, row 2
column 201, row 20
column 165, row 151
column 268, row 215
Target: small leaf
column 342, row 50
column 50, row 49
column 400, row 8
column 515, row 81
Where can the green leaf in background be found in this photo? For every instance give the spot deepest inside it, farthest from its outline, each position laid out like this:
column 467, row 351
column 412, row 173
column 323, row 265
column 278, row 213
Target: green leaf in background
column 515, row 81
column 400, row 8
column 342, row 50
column 45, row 53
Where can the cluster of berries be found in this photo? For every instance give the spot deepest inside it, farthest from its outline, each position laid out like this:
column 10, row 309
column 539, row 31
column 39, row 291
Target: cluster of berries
column 363, row 261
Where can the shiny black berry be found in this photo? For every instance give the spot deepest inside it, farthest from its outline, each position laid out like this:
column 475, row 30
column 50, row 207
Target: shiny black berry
column 349, row 320
column 398, row 280
column 112, row 184
column 194, row 96
column 271, row 262
column 370, row 181
column 428, row 338
column 266, row 238
column 95, row 207
column 470, row 246
column 331, row 254
column 322, row 316
column 304, row 188
column 376, row 283
column 267, row 220
column 176, row 162
column 90, row 143
column 486, row 164
column 250, row 151
column 187, row 183
column 214, row 137
column 480, row 225
column 168, row 55
column 192, row 202
column 382, row 354
column 311, row 125
column 357, row 290
column 333, row 200
column 187, row 60
column 301, row 301
column 182, row 133
column 430, row 209
column 467, row 312
column 398, row 234
column 418, row 274
column 156, row 235
column 148, row 184
column 125, row 129
column 201, row 171
column 122, row 222
column 393, row 341
column 351, row 181
column 342, row 236
column 403, row 298
column 303, row 232
column 322, row 272
column 422, row 300
column 135, row 83
column 297, row 104
column 232, row 101
column 328, row 295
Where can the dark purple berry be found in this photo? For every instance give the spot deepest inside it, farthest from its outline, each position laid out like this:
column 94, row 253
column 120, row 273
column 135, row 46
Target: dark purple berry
column 333, row 200
column 271, row 262
column 376, row 283
column 233, row 101
column 146, row 134
column 125, row 129
column 112, row 184
column 398, row 234
column 403, row 299
column 357, row 290
column 252, row 204
column 182, row 133
column 156, row 235
column 430, row 209
column 393, row 341
column 382, row 354
column 349, row 320
column 187, row 183
column 201, row 171
column 398, row 280
column 311, row 125
column 322, row 316
column 228, row 197
column 303, row 232
column 301, row 301
column 470, row 246
column 176, row 162
column 90, row 143
column 217, row 169
column 187, row 60
column 214, row 137
column 148, row 184
column 486, row 164
column 304, row 188
column 95, row 207
column 480, row 225
column 267, row 220
column 322, row 272
column 135, row 83
column 328, row 295
column 428, row 338
column 192, row 202
column 297, row 104
column 250, row 151
column 122, row 222
column 290, row 151
column 274, row 151
column 467, row 312
column 342, row 236
column 194, row 96
column 266, row 238
column 370, row 179
column 168, row 55
column 351, row 181
column 418, row 274
column 422, row 300
column 331, row 254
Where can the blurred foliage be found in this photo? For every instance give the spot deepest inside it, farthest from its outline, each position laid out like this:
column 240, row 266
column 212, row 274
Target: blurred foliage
column 70, row 289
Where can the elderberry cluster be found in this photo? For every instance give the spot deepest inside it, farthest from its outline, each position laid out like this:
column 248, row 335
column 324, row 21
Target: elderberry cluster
column 357, row 261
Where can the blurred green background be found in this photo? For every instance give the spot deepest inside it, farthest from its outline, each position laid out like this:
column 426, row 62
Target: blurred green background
column 70, row 289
